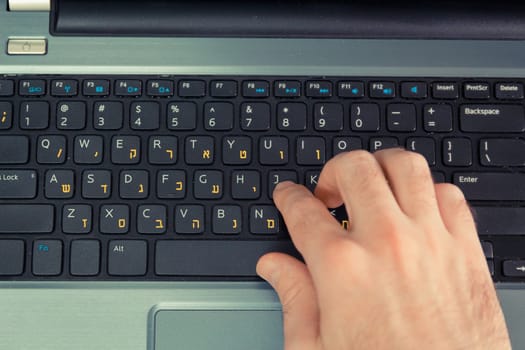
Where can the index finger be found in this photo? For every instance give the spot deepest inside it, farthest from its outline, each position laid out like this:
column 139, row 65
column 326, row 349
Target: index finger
column 309, row 222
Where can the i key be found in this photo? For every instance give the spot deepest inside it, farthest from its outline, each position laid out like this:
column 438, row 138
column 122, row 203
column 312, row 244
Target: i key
column 311, row 151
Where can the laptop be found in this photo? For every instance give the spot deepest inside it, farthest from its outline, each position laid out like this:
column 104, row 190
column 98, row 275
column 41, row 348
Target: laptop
column 140, row 142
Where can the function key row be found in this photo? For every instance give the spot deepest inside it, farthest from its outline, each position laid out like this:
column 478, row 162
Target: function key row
column 194, row 88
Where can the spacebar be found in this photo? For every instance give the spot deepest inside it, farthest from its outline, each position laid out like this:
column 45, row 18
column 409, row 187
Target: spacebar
column 27, row 218
column 214, row 258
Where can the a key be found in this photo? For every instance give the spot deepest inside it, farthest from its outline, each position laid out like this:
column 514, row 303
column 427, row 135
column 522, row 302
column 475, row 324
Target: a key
column 85, row 257
column 236, row 150
column 108, row 115
column 47, row 257
column 414, row 90
column 59, row 184
column 503, row 221
column 71, row 115
column 18, row 184
column 89, row 149
column 76, row 218
column 273, row 150
column 291, row 116
column 226, row 219
column 51, row 149
column 134, row 184
column 189, row 219
column 12, row 252
column 7, row 87
column 125, row 150
column 218, row 116
column 151, row 219
column 364, row 117
column 311, row 150
column 514, row 268
column 114, row 219
column 96, row 184
column 14, row 218
column 255, row 116
column 311, row 179
column 182, row 116
column 171, row 184
column 208, row 184
column 199, row 150
column 144, row 116
column 127, row 257
column 264, row 219
column 245, row 184
column 502, row 152
column 34, row 115
column 162, row 150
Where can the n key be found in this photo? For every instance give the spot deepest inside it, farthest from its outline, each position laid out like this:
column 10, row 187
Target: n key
column 311, row 151
column 264, row 219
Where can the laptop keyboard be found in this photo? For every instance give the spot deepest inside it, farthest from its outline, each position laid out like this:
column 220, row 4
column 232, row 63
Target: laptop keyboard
column 171, row 177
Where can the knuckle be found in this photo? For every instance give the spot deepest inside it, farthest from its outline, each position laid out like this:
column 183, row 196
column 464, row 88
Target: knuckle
column 414, row 163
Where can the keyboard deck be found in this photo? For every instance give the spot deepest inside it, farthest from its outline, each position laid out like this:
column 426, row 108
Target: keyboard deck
column 170, row 177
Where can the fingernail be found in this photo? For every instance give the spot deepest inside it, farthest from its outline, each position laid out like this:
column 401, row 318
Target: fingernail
column 268, row 269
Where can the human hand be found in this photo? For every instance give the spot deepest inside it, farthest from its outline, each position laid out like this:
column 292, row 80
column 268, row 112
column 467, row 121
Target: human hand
column 408, row 274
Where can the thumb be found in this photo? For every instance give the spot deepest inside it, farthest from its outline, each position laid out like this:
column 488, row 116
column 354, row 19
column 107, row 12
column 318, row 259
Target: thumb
column 292, row 281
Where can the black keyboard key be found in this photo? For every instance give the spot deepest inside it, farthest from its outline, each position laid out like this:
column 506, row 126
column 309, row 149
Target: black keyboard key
column 256, row 88
column 171, row 184
column 34, row 115
column 85, row 257
column 445, row 90
column 425, row 146
column 502, row 152
column 88, row 149
column 159, row 88
column 319, row 89
column 346, row 144
column 18, row 184
column 255, row 116
column 182, row 116
column 223, row 88
column 275, row 177
column 236, row 150
column 151, row 219
column 499, row 220
column 476, row 91
column 162, row 150
column 208, row 184
column 350, row 89
column 126, row 88
column 77, row 218
column 227, row 219
column 32, row 87
column 214, row 257
column 246, row 184
column 125, row 150
column 14, row 149
column 488, row 250
column 457, row 152
column 287, row 88
column 14, row 218
column 189, row 219
column 95, row 87
column 7, row 87
column 114, row 219
column 199, row 150
column 12, row 252
column 437, row 117
column 47, row 257
column 514, row 268
column 192, row 88
column 311, row 150
column 218, row 116
column 492, row 118
column 328, row 117
column 491, row 186
column 414, row 90
column 379, row 143
column 127, row 258
column 311, row 178
column 51, row 149
column 96, row 184
column 364, row 117
column 273, row 150
column 382, row 89
column 401, row 117
column 144, row 116
column 264, row 220
column 64, row 88
column 134, row 184
column 6, row 115
column 108, row 115
column 59, row 184
column 509, row 91
column 291, row 116
column 71, row 115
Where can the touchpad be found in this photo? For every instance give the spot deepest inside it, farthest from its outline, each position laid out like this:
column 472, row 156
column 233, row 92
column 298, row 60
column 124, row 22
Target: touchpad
column 218, row 330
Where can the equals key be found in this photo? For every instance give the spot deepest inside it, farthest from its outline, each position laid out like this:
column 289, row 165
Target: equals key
column 502, row 152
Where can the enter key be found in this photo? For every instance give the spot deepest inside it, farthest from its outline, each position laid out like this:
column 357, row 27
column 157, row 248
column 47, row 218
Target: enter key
column 491, row 186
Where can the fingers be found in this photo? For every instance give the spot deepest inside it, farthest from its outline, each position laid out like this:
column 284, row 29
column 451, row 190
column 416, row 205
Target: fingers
column 357, row 180
column 293, row 284
column 409, row 178
column 455, row 212
column 308, row 221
